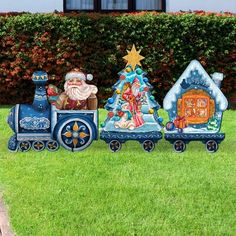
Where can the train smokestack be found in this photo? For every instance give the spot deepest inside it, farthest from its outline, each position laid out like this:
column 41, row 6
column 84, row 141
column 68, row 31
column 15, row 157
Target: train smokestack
column 40, row 102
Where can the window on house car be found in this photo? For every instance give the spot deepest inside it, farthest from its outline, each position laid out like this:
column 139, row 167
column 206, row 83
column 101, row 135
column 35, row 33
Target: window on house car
column 80, row 5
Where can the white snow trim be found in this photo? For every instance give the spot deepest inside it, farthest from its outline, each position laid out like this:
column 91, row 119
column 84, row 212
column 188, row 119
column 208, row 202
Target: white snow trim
column 171, row 96
column 78, row 75
column 191, row 130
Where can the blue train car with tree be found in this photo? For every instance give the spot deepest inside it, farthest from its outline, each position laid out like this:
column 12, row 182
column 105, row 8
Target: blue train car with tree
column 132, row 110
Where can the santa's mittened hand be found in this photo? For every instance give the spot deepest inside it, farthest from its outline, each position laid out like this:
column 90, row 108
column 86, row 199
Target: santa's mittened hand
column 146, row 89
column 51, row 92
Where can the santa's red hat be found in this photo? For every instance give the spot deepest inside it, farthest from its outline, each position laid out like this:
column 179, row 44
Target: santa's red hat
column 77, row 73
column 136, row 81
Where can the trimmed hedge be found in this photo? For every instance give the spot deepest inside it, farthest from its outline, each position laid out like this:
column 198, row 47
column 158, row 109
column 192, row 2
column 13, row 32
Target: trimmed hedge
column 96, row 43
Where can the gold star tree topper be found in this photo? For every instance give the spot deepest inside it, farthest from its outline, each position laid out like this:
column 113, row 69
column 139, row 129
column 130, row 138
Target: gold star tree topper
column 133, row 58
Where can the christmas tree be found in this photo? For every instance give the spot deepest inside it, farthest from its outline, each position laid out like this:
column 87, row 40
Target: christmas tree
column 132, row 110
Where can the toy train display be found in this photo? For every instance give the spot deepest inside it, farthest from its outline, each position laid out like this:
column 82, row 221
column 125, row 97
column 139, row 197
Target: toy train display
column 195, row 107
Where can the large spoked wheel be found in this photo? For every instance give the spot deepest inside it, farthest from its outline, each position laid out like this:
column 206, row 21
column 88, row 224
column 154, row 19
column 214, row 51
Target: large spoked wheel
column 24, row 146
column 38, row 146
column 52, row 145
column 75, row 134
column 211, row 146
column 179, row 146
column 115, row 145
column 148, row 145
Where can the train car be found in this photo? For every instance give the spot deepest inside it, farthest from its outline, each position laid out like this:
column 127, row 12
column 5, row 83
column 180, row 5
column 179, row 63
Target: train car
column 195, row 106
column 132, row 110
column 41, row 125
column 130, row 117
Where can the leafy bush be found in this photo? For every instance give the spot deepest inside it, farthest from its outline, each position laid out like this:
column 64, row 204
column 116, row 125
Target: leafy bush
column 96, row 43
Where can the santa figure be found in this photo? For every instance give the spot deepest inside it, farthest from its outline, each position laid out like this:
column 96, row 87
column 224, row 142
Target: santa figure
column 132, row 96
column 78, row 94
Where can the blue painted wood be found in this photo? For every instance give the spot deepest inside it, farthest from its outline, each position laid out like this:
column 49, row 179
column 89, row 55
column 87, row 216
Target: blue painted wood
column 108, row 136
column 41, row 125
column 195, row 78
column 132, row 112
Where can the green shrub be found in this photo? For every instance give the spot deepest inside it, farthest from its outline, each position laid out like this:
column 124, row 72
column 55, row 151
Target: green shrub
column 96, row 43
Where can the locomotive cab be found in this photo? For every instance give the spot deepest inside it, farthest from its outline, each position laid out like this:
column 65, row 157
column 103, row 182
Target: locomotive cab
column 74, row 129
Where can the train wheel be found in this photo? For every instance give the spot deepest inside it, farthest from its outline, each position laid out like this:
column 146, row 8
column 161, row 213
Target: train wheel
column 211, row 146
column 148, row 145
column 52, row 145
column 179, row 146
column 38, row 146
column 115, row 146
column 75, row 134
column 24, row 146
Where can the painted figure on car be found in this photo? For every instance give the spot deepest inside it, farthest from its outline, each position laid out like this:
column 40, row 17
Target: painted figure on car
column 78, row 95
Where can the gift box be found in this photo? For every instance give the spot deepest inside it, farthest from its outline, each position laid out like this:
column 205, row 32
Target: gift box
column 180, row 122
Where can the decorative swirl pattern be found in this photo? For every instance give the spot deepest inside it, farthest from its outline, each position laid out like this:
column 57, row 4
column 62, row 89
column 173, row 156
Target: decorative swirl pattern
column 124, row 136
column 190, row 137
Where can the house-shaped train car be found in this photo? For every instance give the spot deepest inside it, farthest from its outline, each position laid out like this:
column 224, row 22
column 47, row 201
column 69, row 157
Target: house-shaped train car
column 195, row 105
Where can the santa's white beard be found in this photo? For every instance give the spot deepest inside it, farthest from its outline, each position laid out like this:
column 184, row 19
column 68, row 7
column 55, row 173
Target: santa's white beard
column 80, row 92
column 135, row 91
column 74, row 93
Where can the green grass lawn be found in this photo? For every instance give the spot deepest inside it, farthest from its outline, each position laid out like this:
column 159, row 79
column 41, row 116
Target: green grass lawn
column 131, row 192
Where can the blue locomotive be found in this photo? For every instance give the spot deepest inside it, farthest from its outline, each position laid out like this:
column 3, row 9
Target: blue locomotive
column 41, row 125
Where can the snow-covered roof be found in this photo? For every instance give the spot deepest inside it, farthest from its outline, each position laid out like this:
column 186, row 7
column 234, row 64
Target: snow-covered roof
column 171, row 96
